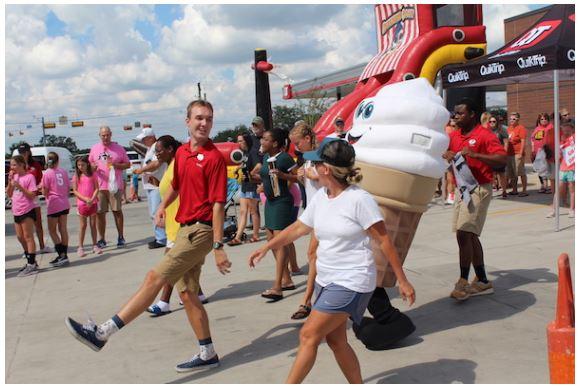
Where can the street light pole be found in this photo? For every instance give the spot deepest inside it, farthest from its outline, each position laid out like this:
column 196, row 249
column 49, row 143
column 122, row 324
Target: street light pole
column 43, row 132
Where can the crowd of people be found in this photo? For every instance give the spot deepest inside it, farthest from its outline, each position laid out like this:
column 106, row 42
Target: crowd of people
column 517, row 141
column 186, row 187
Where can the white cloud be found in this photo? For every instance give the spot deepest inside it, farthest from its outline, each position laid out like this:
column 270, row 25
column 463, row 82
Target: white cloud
column 102, row 63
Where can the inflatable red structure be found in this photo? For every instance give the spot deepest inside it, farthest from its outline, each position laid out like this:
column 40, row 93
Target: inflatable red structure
column 413, row 40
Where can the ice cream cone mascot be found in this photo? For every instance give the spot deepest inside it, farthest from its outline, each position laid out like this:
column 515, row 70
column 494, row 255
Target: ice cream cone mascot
column 399, row 140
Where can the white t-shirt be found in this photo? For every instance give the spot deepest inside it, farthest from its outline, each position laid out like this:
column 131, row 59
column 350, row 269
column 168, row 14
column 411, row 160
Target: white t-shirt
column 344, row 256
column 158, row 174
column 311, row 186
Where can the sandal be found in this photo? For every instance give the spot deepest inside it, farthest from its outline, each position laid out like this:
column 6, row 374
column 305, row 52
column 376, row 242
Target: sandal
column 253, row 240
column 523, row 194
column 302, row 312
column 542, row 190
column 234, row 242
column 290, row 287
column 269, row 294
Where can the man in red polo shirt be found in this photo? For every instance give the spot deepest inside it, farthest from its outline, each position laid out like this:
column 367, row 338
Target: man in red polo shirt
column 482, row 151
column 516, row 154
column 200, row 182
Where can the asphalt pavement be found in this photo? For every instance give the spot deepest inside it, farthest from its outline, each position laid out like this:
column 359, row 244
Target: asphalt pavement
column 499, row 338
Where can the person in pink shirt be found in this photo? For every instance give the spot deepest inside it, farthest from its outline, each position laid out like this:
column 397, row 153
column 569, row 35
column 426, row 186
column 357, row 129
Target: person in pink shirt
column 539, row 139
column 22, row 189
column 86, row 187
column 56, row 187
column 567, row 168
column 103, row 156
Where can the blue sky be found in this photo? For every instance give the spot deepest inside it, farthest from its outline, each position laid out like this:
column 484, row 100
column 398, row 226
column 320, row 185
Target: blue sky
column 142, row 62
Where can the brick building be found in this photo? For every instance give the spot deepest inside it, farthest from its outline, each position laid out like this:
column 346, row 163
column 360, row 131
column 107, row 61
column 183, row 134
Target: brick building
column 532, row 99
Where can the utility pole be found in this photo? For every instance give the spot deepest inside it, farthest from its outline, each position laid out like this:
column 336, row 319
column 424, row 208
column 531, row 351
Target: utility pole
column 43, row 132
column 198, row 90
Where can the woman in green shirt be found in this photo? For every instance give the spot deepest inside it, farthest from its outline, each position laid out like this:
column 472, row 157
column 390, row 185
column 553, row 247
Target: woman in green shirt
column 277, row 164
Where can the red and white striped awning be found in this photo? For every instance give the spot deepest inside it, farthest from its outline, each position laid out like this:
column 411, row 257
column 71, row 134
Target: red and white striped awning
column 397, row 27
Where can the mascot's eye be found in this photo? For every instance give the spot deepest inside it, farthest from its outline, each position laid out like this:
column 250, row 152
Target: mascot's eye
column 360, row 109
column 368, row 110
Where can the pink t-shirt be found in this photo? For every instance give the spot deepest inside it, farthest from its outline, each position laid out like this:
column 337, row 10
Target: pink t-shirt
column 85, row 186
column 568, row 154
column 296, row 194
column 58, row 185
column 21, row 204
column 103, row 155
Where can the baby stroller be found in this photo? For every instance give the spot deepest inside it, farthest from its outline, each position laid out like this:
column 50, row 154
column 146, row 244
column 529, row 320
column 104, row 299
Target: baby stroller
column 230, row 222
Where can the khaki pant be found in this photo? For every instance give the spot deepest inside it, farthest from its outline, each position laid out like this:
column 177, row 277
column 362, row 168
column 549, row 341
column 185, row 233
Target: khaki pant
column 181, row 266
column 471, row 217
column 515, row 166
column 107, row 199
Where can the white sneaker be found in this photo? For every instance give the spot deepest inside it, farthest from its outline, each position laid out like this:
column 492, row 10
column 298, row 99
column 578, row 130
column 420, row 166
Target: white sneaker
column 571, row 214
column 46, row 249
column 550, row 215
column 29, row 269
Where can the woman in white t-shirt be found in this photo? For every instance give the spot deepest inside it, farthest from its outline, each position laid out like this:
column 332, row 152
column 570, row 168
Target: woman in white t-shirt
column 344, row 217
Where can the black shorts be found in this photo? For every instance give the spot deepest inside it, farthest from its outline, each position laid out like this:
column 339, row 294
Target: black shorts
column 20, row 219
column 500, row 170
column 58, row 214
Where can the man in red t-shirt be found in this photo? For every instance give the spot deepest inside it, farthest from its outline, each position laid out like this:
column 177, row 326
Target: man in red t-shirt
column 200, row 182
column 35, row 168
column 516, row 154
column 482, row 152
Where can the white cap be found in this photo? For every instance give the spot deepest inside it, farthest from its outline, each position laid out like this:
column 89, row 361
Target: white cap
column 147, row 132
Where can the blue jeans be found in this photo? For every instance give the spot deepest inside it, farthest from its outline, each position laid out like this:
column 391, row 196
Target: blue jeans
column 154, row 200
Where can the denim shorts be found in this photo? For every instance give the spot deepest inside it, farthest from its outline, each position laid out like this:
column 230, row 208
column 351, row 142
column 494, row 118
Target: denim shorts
column 249, row 195
column 334, row 298
column 568, row 176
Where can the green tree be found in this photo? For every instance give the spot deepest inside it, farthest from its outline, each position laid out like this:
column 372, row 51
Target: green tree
column 230, row 134
column 60, row 141
column 284, row 117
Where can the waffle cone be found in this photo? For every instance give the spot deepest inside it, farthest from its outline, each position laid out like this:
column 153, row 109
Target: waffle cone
column 402, row 198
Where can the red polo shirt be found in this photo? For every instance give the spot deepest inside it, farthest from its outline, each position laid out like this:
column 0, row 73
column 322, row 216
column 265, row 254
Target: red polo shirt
column 200, row 177
column 480, row 140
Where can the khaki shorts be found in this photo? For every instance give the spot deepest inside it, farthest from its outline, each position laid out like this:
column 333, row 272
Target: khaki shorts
column 106, row 198
column 472, row 218
column 181, row 266
column 515, row 166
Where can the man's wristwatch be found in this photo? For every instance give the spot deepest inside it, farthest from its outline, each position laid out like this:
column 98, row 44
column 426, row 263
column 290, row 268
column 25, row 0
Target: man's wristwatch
column 217, row 245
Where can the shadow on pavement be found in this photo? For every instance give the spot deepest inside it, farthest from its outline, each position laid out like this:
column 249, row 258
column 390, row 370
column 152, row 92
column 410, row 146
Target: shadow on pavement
column 446, row 313
column 441, row 371
column 251, row 288
column 272, row 343
column 12, row 272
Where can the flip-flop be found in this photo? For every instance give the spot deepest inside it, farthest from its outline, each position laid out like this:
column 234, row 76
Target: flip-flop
column 253, row 240
column 512, row 193
column 289, row 288
column 271, row 296
column 523, row 194
column 302, row 312
column 234, row 242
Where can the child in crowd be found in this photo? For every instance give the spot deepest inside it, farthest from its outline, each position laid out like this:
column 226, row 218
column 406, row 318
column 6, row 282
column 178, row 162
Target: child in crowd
column 85, row 188
column 134, row 188
column 22, row 189
column 567, row 168
column 55, row 187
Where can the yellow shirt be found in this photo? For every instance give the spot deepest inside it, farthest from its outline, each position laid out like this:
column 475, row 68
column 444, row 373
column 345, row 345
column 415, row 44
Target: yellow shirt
column 171, row 226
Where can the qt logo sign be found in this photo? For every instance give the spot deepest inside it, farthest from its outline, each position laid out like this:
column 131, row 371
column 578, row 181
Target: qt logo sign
column 533, row 37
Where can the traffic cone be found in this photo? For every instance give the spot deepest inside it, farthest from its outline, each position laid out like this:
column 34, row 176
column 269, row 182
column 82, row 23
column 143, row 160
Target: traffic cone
column 561, row 331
